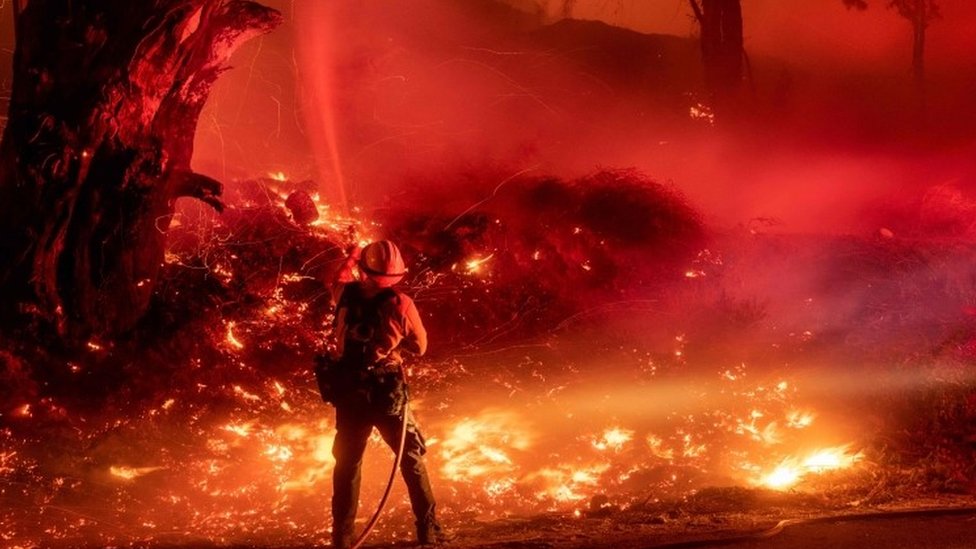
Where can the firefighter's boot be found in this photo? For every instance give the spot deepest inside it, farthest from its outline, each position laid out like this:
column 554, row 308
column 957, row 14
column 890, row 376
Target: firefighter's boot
column 431, row 533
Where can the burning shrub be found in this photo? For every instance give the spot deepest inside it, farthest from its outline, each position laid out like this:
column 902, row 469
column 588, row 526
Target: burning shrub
column 538, row 250
column 206, row 422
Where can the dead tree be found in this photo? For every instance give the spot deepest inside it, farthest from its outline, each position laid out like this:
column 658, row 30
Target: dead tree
column 722, row 50
column 105, row 102
column 920, row 13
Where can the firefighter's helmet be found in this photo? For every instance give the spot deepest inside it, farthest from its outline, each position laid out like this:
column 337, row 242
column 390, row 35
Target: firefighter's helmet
column 381, row 261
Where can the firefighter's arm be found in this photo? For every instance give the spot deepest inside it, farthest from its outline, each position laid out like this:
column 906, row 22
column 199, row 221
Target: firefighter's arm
column 339, row 331
column 401, row 330
column 346, row 272
column 416, row 337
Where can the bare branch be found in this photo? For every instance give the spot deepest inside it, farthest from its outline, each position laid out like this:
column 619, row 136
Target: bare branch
column 698, row 11
column 199, row 186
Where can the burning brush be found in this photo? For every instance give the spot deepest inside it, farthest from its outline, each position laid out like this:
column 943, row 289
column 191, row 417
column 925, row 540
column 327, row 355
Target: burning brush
column 219, row 435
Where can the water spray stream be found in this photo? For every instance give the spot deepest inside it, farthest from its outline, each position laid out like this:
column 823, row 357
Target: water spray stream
column 316, row 52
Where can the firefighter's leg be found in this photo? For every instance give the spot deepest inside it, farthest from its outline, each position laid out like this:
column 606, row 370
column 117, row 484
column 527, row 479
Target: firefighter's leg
column 414, row 473
column 352, row 433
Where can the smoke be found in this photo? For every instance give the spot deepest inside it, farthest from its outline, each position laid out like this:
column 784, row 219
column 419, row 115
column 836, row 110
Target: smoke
column 392, row 93
column 836, row 205
column 627, row 289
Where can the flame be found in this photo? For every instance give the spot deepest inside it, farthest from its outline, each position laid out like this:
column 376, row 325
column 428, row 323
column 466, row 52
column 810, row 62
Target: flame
column 792, row 470
column 278, row 176
column 568, row 483
column 130, row 473
column 231, row 338
column 474, row 265
column 613, row 439
column 656, row 444
column 477, row 447
column 800, row 420
column 784, row 476
column 241, row 430
column 702, row 112
column 829, row 459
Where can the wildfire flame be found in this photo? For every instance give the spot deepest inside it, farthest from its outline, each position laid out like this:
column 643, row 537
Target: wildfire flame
column 792, row 470
column 613, row 439
column 260, row 448
column 474, row 265
column 231, row 338
column 131, row 473
column 477, row 447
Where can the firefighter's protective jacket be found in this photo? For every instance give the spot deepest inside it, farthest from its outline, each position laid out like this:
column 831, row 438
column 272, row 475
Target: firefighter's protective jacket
column 396, row 326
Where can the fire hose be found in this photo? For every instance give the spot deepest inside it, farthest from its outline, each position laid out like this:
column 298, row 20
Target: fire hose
column 396, row 465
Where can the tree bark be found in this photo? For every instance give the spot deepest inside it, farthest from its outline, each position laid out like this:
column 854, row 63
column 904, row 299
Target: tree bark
column 721, row 44
column 920, row 23
column 105, row 102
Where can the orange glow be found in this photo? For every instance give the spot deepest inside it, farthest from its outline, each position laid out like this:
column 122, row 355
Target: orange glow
column 231, row 338
column 241, row 430
column 474, row 266
column 567, row 483
column 130, row 473
column 613, row 439
column 482, row 446
column 800, row 420
column 791, row 471
column 702, row 112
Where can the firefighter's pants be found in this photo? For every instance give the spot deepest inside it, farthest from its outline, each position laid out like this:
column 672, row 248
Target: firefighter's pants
column 354, row 424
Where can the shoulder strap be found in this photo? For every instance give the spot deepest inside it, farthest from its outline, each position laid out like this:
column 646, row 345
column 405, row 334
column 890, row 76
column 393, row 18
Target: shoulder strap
column 359, row 307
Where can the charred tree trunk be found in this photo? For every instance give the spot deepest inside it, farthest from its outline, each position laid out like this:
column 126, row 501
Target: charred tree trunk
column 97, row 147
column 920, row 22
column 721, row 44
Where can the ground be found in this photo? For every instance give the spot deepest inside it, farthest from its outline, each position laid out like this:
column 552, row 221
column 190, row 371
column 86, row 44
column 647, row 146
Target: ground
column 937, row 519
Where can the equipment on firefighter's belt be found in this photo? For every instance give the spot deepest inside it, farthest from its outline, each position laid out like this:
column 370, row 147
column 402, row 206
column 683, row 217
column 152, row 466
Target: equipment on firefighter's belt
column 381, row 385
column 327, row 376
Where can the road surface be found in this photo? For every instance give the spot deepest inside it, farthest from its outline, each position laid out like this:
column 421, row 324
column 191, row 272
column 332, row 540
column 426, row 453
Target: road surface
column 897, row 532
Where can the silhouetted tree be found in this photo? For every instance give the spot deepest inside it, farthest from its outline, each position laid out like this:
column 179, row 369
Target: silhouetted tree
column 103, row 111
column 723, row 55
column 919, row 13
column 721, row 44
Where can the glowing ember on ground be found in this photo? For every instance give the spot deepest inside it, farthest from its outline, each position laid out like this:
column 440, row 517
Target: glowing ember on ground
column 566, row 484
column 231, row 338
column 482, row 446
column 613, row 439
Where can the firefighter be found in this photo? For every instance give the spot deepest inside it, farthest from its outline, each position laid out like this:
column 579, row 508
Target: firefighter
column 374, row 324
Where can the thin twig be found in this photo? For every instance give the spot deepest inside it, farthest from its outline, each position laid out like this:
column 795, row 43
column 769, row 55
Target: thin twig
column 489, row 197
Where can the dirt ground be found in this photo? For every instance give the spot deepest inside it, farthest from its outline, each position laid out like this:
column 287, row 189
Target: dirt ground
column 674, row 528
column 719, row 518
